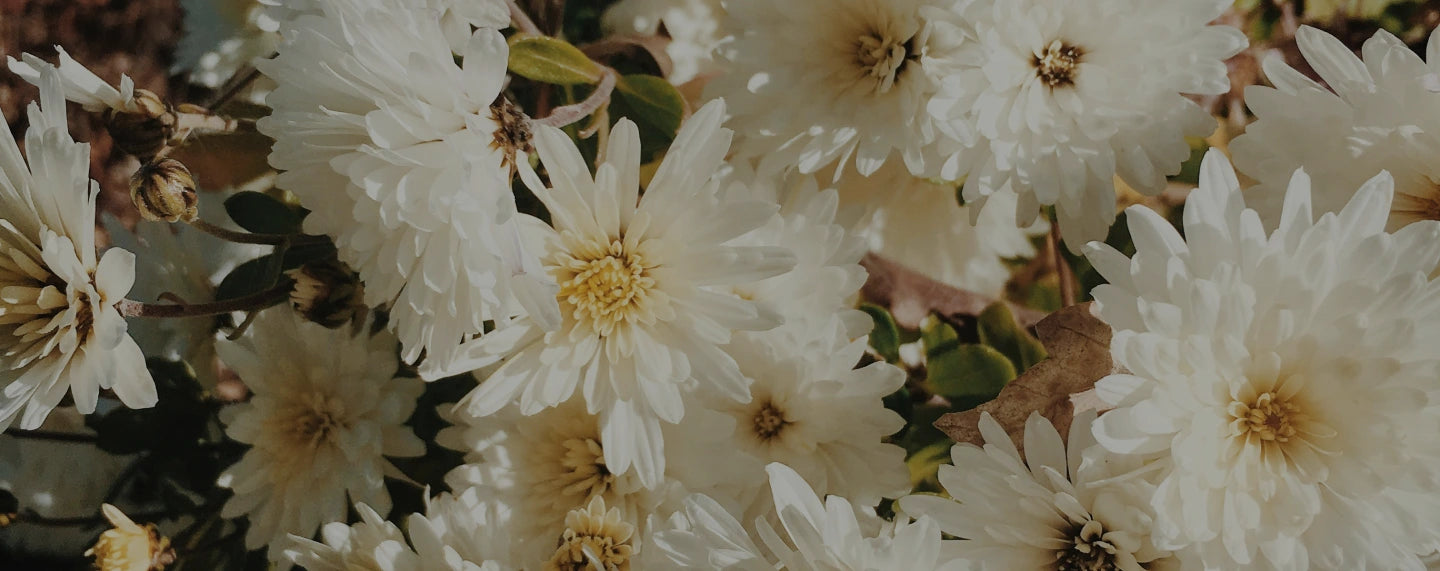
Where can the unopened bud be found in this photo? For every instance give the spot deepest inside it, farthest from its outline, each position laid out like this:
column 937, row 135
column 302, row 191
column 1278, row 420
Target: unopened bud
column 128, row 546
column 328, row 293
column 145, row 131
column 164, row 190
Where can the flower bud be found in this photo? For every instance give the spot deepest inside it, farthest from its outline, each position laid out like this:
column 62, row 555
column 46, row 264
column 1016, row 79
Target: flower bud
column 130, row 546
column 164, row 190
column 145, row 131
column 327, row 292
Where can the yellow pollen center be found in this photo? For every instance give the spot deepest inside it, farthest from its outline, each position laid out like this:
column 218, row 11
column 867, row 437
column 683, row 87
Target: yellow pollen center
column 882, row 58
column 1089, row 551
column 1269, row 418
column 770, row 422
column 607, row 290
column 585, row 471
column 593, row 531
column 1056, row 65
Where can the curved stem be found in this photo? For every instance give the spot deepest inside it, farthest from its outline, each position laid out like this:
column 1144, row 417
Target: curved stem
column 238, row 82
column 51, row 435
column 261, row 300
column 522, row 21
column 568, row 114
column 249, row 238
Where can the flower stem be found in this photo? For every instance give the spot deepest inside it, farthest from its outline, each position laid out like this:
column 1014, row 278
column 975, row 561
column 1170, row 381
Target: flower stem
column 1063, row 272
column 249, row 238
column 260, row 300
column 50, row 435
column 568, row 114
column 522, row 22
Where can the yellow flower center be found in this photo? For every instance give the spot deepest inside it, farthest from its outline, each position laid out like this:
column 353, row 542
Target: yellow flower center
column 129, row 546
column 605, row 285
column 882, row 57
column 1056, row 65
column 593, row 532
column 34, row 308
column 769, row 422
column 585, row 471
column 1089, row 551
column 1268, row 418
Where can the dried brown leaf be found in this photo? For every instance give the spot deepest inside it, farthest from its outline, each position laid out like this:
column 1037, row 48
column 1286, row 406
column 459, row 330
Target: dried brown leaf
column 1079, row 347
column 910, row 295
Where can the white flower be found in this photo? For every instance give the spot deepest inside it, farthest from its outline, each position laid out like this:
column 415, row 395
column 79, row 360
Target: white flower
column 813, row 536
column 60, row 327
column 543, row 466
column 1379, row 116
column 812, row 83
column 693, row 27
column 1063, row 97
column 404, row 157
column 457, row 532
column 1060, row 507
column 921, row 224
column 1279, row 382
column 79, row 84
column 221, row 38
column 826, row 279
column 188, row 263
column 813, row 411
column 641, row 291
column 326, row 409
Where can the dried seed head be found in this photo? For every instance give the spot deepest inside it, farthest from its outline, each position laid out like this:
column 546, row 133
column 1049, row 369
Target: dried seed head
column 144, row 132
column 164, row 190
column 327, row 292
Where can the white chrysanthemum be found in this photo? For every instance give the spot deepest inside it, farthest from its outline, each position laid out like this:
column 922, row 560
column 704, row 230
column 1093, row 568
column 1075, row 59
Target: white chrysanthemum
column 455, row 17
column 1279, row 381
column 811, row 409
column 545, row 465
column 921, row 224
column 188, row 263
column 693, row 27
column 404, row 157
column 813, row 536
column 1380, row 116
column 57, row 479
column 812, row 83
column 60, row 327
column 78, row 83
column 1063, row 97
column 827, row 276
column 456, row 533
column 1060, row 507
column 326, row 409
column 642, row 290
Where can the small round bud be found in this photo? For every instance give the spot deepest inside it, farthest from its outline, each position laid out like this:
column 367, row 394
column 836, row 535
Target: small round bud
column 327, row 292
column 164, row 190
column 145, row 131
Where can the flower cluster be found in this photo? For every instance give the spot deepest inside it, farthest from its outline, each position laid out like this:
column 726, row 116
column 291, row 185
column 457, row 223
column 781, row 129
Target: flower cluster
column 499, row 302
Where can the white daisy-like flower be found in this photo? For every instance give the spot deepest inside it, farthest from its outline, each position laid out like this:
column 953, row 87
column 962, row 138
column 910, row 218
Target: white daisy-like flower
column 326, row 409
column 60, row 327
column 1278, row 381
column 543, row 466
column 921, row 224
column 78, row 83
column 693, row 27
column 642, row 290
column 813, row 83
column 457, row 532
column 404, row 157
column 455, row 17
column 189, row 264
column 812, row 410
column 813, row 536
column 1064, row 97
column 826, row 280
column 1376, row 114
column 1062, row 506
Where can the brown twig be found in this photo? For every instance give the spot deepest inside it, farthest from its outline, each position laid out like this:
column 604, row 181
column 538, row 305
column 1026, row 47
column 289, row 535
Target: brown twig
column 1062, row 268
column 260, row 300
column 51, row 435
column 569, row 114
column 242, row 79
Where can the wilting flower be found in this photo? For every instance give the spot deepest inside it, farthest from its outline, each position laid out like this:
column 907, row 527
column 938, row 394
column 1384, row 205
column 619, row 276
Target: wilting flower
column 129, row 546
column 60, row 327
column 1065, row 97
column 1062, row 506
column 1376, row 114
column 326, row 409
column 643, row 291
column 1279, row 383
column 404, row 157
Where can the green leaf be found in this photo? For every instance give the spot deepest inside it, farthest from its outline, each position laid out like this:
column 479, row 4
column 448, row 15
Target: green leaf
column 969, row 375
column 250, row 277
column 261, row 213
column 551, row 60
column 999, row 329
column 937, row 337
column 652, row 102
column 885, row 337
column 925, row 464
